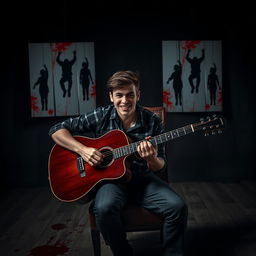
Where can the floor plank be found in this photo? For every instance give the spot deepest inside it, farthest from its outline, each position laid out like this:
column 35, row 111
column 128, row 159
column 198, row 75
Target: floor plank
column 221, row 221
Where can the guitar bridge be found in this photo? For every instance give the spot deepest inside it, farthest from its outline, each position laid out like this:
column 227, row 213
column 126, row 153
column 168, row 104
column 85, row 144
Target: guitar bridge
column 80, row 166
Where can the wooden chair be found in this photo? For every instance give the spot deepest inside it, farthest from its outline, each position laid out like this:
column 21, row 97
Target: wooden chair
column 135, row 218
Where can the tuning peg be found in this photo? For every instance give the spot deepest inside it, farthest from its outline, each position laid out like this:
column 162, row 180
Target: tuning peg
column 219, row 131
column 206, row 134
column 213, row 133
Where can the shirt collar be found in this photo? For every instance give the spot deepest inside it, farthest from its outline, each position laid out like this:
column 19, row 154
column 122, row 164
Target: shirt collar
column 113, row 114
column 140, row 119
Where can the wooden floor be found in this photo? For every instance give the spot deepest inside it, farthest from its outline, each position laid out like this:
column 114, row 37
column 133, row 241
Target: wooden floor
column 222, row 221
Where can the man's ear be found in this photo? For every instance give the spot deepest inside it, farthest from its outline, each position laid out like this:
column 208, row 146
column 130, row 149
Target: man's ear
column 111, row 96
column 138, row 95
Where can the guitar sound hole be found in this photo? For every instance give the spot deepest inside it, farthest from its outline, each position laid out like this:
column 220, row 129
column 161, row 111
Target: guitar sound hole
column 107, row 159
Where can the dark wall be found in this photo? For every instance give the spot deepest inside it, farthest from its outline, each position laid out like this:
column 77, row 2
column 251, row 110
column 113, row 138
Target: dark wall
column 132, row 42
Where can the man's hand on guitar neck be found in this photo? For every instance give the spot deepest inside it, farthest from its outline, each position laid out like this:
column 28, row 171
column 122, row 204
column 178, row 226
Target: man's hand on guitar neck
column 149, row 153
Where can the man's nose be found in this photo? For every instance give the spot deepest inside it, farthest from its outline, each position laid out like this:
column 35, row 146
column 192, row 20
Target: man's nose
column 124, row 99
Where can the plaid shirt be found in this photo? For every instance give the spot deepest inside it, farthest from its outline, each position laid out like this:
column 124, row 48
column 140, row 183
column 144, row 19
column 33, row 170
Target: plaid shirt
column 104, row 119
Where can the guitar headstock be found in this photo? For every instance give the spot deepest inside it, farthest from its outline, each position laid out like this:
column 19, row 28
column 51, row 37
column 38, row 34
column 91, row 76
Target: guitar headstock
column 210, row 125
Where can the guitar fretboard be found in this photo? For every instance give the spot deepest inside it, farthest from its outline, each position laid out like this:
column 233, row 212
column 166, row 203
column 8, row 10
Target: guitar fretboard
column 157, row 140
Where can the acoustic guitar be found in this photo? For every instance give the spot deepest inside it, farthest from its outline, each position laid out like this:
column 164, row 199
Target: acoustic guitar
column 71, row 178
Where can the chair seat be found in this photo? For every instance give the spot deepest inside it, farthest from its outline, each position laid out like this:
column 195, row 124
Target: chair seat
column 134, row 218
column 137, row 218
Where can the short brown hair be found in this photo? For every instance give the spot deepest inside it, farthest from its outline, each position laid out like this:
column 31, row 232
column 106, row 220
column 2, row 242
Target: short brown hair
column 123, row 78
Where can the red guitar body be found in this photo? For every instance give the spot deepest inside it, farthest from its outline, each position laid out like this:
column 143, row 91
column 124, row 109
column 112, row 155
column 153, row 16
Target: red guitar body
column 71, row 178
column 64, row 176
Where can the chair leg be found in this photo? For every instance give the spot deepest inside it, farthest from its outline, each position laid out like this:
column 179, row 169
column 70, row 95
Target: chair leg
column 95, row 234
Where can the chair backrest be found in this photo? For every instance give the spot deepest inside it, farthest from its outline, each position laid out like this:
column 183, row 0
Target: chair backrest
column 160, row 111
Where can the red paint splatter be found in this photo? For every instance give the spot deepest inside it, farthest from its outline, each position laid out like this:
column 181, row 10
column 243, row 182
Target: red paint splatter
column 59, row 247
column 166, row 99
column 219, row 97
column 58, row 226
column 50, row 112
column 60, row 47
column 189, row 44
column 49, row 250
column 207, row 106
column 93, row 92
column 34, row 102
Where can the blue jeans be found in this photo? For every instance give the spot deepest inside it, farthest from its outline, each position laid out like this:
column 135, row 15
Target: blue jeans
column 150, row 192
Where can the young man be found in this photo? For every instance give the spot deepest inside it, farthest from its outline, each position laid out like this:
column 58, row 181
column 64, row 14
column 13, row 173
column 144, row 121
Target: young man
column 144, row 186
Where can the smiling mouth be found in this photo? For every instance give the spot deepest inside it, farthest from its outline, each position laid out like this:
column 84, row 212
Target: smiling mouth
column 125, row 107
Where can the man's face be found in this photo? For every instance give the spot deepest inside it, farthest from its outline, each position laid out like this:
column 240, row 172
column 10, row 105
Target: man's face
column 124, row 100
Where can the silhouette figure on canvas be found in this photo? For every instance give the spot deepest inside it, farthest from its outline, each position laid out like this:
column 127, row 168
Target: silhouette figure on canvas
column 213, row 84
column 177, row 82
column 66, row 66
column 195, row 70
column 85, row 78
column 42, row 81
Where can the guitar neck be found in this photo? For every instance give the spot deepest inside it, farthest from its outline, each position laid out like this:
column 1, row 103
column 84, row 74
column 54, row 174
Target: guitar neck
column 157, row 140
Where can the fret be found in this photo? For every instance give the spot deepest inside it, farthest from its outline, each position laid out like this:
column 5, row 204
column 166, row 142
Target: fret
column 114, row 154
column 161, row 138
column 130, row 149
column 120, row 151
column 189, row 128
column 174, row 134
column 184, row 130
column 192, row 128
column 134, row 147
column 117, row 155
column 125, row 150
column 166, row 137
column 154, row 141
column 181, row 132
